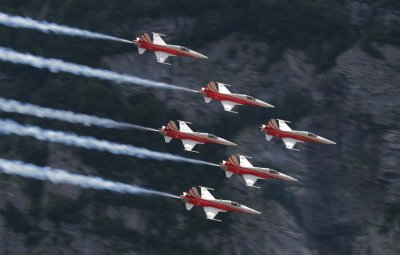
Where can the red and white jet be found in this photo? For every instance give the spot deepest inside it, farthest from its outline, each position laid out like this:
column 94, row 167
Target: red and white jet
column 161, row 49
column 211, row 205
column 219, row 91
column 238, row 164
column 279, row 128
column 188, row 137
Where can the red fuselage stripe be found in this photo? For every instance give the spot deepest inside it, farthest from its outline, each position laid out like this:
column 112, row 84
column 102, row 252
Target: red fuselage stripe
column 185, row 136
column 242, row 170
column 154, row 47
column 232, row 98
column 204, row 203
column 283, row 134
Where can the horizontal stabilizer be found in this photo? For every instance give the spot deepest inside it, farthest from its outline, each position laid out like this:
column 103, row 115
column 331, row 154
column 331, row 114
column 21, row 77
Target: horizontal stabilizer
column 188, row 206
column 228, row 174
column 141, row 50
column 167, row 139
column 268, row 137
column 207, row 99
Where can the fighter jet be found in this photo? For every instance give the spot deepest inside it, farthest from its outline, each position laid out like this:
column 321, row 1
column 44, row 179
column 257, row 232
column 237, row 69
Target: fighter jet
column 211, row 205
column 219, row 91
column 161, row 49
column 188, row 137
column 238, row 164
column 280, row 129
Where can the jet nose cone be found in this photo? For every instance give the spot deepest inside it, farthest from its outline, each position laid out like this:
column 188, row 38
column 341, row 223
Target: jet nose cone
column 198, row 55
column 249, row 210
column 289, row 178
column 326, row 141
column 252, row 211
column 225, row 142
column 231, row 143
column 265, row 104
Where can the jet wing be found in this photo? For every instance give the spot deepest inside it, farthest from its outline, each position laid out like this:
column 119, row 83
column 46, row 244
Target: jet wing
column 189, row 144
column 211, row 212
column 228, row 105
column 157, row 39
column 162, row 56
column 283, row 126
column 250, row 179
column 205, row 194
column 222, row 88
column 289, row 143
column 183, row 127
column 244, row 162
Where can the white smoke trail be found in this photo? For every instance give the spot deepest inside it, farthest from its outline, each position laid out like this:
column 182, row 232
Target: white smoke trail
column 12, row 106
column 9, row 127
column 47, row 27
column 57, row 65
column 62, row 176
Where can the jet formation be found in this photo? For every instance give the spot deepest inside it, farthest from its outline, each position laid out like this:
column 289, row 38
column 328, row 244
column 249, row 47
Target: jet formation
column 235, row 164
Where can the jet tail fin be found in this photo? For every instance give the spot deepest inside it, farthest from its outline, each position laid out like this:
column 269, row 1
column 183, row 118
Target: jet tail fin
column 145, row 37
column 171, row 125
column 194, row 192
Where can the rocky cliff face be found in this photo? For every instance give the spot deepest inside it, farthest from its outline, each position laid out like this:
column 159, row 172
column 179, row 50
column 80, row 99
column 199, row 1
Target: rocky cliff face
column 347, row 199
column 346, row 192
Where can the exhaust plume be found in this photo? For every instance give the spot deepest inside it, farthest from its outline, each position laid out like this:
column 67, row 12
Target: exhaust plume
column 9, row 127
column 62, row 176
column 60, row 66
column 47, row 27
column 12, row 106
